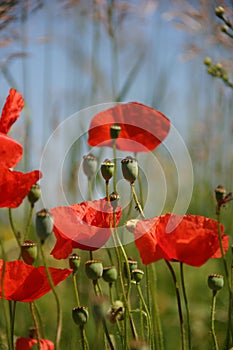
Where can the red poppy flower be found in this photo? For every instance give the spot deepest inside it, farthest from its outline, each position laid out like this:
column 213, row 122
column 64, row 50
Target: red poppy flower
column 193, row 240
column 26, row 283
column 29, row 343
column 14, row 186
column 84, row 226
column 142, row 127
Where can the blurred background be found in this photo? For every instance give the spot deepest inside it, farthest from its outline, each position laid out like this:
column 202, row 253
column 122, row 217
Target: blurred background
column 65, row 56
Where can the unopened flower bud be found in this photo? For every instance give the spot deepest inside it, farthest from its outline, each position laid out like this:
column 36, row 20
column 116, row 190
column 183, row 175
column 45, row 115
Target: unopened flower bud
column 207, row 61
column 114, row 200
column 74, row 262
column 94, row 269
column 133, row 265
column 115, row 131
column 215, row 282
column 29, row 252
column 44, row 224
column 129, row 167
column 110, row 274
column 220, row 193
column 80, row 315
column 107, row 169
column 90, row 165
column 116, row 311
column 219, row 11
column 34, row 194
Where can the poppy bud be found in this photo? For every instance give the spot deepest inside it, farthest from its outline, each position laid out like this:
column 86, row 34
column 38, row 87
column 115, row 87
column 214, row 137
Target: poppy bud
column 29, row 252
column 116, row 311
column 219, row 11
column 220, row 193
column 34, row 194
column 110, row 274
column 115, row 131
column 137, row 275
column 74, row 262
column 90, row 165
column 107, row 169
column 80, row 315
column 44, row 224
column 129, row 167
column 215, row 282
column 94, row 269
column 114, row 199
column 207, row 61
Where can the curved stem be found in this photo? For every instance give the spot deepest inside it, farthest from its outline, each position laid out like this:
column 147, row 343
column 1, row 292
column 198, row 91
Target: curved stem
column 13, row 228
column 147, row 315
column 75, row 289
column 115, row 165
column 178, row 303
column 215, row 343
column 59, row 311
column 90, row 191
column 32, row 309
column 186, row 304
column 138, row 205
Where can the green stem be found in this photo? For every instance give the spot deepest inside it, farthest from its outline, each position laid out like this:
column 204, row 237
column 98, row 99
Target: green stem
column 158, row 327
column 140, row 183
column 178, row 303
column 32, row 309
column 13, row 228
column 90, row 191
column 29, row 223
column 59, row 312
column 215, row 343
column 107, row 189
column 228, row 278
column 5, row 307
column 186, row 304
column 115, row 165
column 12, row 319
column 75, row 289
column 138, row 205
column 41, row 326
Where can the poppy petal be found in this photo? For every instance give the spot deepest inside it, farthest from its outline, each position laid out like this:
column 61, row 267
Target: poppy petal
column 10, row 151
column 15, row 185
column 23, row 343
column 11, row 110
column 142, row 127
column 84, row 226
column 193, row 240
column 26, row 283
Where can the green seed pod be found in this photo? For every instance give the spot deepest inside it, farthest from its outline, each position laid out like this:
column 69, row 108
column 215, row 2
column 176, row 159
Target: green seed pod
column 115, row 131
column 110, row 274
column 34, row 194
column 74, row 262
column 129, row 167
column 94, row 269
column 80, row 315
column 107, row 169
column 215, row 282
column 29, row 252
column 90, row 165
column 137, row 275
column 44, row 224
